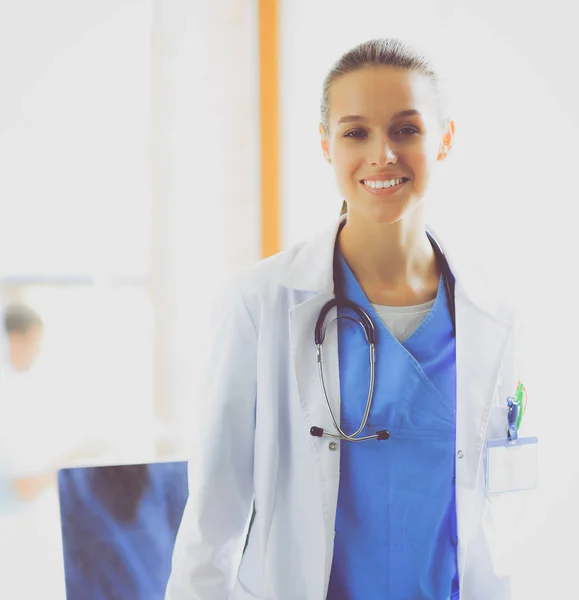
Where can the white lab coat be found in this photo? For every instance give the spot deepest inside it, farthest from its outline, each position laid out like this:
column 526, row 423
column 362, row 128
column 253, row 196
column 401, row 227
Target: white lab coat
column 31, row 439
column 262, row 394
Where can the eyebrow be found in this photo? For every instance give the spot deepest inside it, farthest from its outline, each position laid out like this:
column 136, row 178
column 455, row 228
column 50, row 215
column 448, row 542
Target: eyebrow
column 411, row 112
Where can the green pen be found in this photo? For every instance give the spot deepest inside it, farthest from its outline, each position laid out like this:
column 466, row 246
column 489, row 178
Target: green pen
column 519, row 397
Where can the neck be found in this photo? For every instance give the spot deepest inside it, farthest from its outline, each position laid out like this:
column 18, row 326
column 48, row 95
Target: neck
column 390, row 257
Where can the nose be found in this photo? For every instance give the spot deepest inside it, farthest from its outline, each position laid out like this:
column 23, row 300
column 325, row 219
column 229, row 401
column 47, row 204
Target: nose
column 382, row 153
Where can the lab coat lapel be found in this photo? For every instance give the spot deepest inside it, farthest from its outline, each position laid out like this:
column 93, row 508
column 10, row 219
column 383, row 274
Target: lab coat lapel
column 480, row 341
column 483, row 326
column 311, row 279
column 311, row 276
column 480, row 344
column 303, row 319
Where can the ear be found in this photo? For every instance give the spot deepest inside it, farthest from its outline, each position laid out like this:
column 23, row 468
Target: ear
column 324, row 142
column 447, row 139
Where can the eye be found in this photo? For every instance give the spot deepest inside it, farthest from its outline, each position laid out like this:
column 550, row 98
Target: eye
column 355, row 133
column 412, row 130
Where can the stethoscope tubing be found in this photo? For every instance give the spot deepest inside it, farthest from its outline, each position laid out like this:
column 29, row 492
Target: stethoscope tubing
column 370, row 333
column 342, row 435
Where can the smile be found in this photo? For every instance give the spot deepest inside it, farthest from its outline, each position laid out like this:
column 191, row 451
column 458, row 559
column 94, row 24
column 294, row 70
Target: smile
column 386, row 187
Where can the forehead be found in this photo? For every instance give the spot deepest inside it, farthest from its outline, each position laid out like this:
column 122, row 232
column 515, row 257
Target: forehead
column 379, row 92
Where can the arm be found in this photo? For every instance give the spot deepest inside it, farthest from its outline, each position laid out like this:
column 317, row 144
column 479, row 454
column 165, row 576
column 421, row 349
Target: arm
column 27, row 488
column 211, row 535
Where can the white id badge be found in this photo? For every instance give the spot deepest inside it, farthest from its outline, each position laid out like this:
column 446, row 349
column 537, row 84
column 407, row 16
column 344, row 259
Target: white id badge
column 511, row 465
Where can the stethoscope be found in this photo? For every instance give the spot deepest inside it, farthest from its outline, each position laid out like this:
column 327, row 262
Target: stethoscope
column 370, row 333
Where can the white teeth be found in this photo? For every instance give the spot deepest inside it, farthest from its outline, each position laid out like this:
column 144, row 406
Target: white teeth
column 378, row 185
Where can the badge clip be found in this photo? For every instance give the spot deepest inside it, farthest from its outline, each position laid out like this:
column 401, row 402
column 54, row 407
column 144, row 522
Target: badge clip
column 513, row 418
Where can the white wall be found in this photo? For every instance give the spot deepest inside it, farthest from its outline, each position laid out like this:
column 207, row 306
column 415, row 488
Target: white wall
column 75, row 199
column 129, row 148
column 74, row 119
column 205, row 179
column 506, row 193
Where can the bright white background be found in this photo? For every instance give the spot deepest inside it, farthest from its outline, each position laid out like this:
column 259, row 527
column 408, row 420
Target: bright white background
column 129, row 159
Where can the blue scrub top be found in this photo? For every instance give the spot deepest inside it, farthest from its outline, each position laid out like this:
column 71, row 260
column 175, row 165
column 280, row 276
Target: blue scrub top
column 396, row 535
column 105, row 559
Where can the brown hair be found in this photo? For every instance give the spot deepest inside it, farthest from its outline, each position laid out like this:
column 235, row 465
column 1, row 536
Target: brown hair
column 389, row 52
column 20, row 318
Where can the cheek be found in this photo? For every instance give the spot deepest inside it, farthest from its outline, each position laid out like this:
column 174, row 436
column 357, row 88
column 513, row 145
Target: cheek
column 422, row 164
column 347, row 162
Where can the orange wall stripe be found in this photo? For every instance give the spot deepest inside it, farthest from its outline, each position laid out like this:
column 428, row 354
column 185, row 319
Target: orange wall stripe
column 269, row 125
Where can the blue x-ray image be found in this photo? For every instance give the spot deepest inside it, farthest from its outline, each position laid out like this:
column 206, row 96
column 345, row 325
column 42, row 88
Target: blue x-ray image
column 119, row 525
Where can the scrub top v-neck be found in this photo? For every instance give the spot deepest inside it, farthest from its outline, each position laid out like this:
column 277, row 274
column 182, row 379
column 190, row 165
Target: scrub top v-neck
column 396, row 516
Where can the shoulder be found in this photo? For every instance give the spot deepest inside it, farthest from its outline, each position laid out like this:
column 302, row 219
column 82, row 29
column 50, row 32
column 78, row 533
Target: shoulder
column 242, row 299
column 484, row 288
column 477, row 281
column 262, row 281
column 268, row 272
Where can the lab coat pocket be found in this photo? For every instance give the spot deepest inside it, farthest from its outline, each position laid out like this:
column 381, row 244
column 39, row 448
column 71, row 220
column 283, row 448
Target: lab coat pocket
column 510, row 478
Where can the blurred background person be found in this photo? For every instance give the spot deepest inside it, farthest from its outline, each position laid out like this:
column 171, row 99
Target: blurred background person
column 32, row 447
column 30, row 542
column 119, row 526
column 23, row 335
column 24, row 331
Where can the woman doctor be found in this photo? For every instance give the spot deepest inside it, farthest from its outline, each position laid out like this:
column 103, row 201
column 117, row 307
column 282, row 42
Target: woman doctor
column 284, row 505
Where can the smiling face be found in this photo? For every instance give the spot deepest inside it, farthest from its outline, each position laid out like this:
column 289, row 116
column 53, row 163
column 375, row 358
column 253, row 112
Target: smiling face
column 383, row 139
